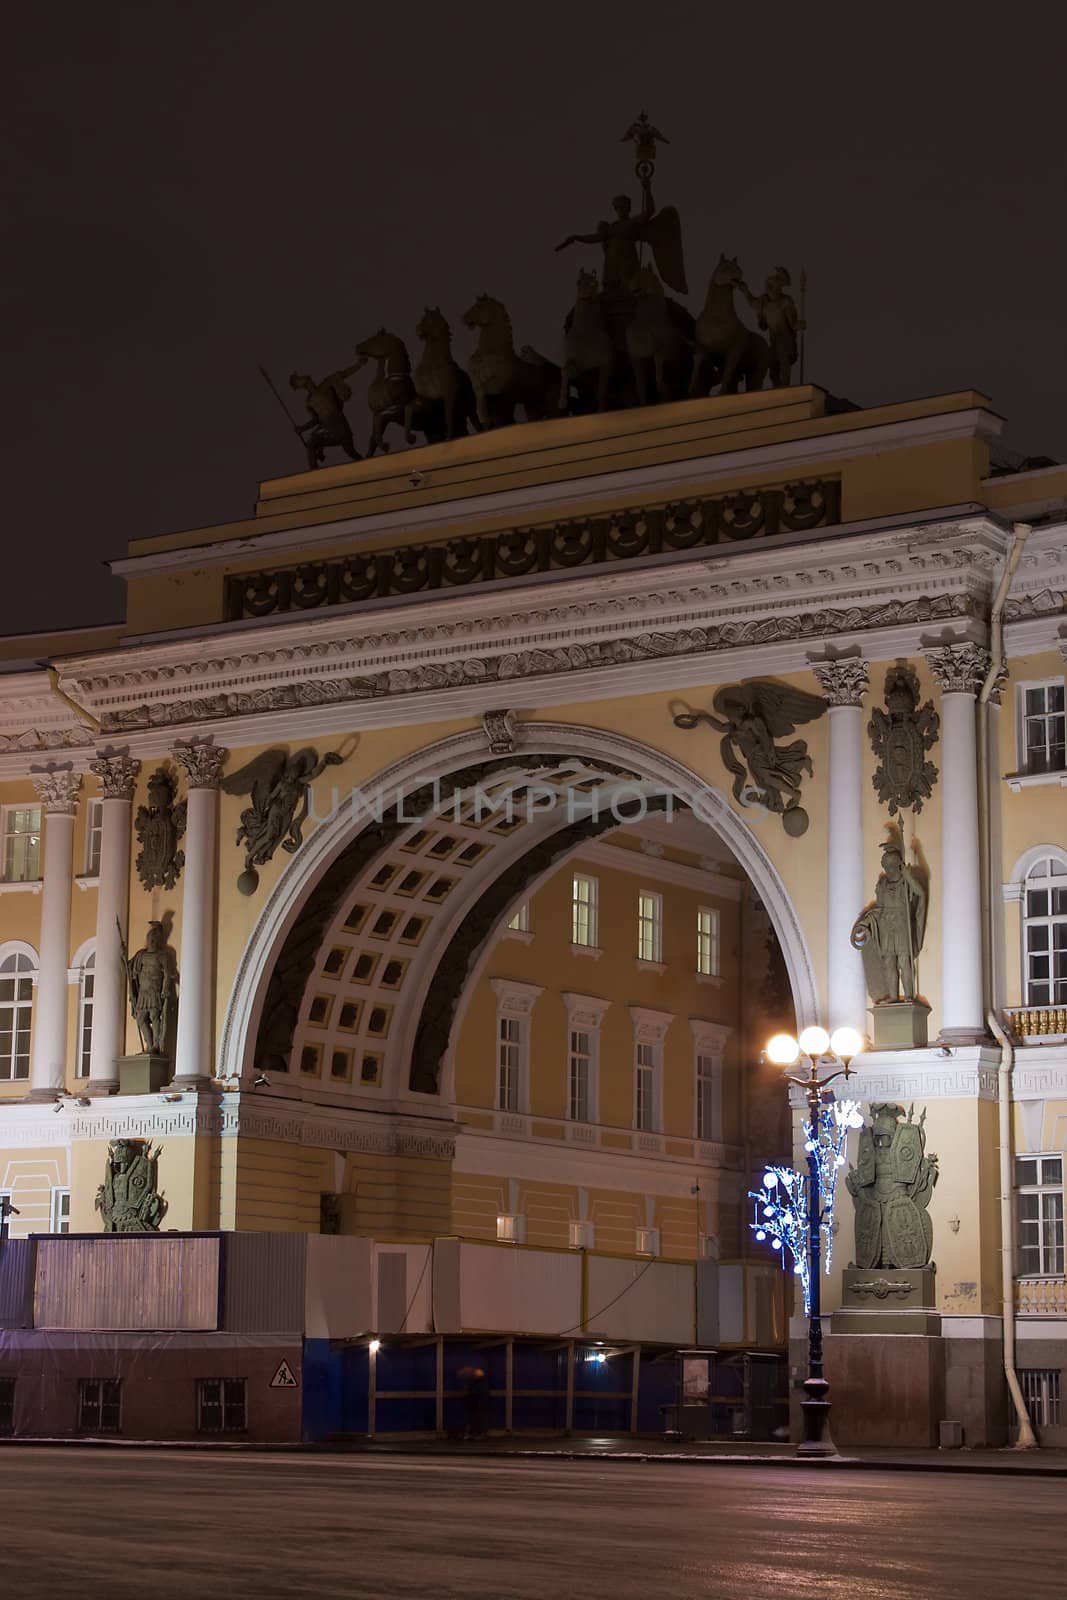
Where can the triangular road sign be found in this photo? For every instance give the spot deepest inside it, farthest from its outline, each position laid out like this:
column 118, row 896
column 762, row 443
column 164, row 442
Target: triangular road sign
column 283, row 1378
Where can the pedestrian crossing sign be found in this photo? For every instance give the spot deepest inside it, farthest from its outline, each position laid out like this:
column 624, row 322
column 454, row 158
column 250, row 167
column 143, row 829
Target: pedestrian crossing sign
column 283, row 1378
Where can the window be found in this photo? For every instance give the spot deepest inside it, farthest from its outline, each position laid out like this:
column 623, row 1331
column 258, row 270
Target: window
column 648, row 1241
column 645, row 1108
column 583, row 910
column 520, row 922
column 707, row 1096
column 1045, row 933
column 98, row 1405
column 221, row 1405
column 85, row 1017
column 94, row 828
column 649, row 926
column 1041, row 1391
column 509, row 1063
column 22, row 844
column 511, row 1228
column 579, row 1074
column 7, row 1406
column 1043, row 727
column 580, row 1235
column 16, row 1012
column 1039, row 1182
column 708, row 942
column 60, row 1210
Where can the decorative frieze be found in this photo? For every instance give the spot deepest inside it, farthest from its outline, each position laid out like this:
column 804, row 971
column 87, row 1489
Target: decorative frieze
column 844, row 681
column 959, row 668
column 58, row 789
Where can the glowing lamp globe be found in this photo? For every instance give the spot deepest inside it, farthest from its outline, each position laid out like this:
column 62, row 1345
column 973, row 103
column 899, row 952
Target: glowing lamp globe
column 782, row 1049
column 814, row 1041
column 846, row 1043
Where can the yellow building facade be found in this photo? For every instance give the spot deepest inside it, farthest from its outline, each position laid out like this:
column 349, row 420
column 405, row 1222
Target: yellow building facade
column 493, row 1016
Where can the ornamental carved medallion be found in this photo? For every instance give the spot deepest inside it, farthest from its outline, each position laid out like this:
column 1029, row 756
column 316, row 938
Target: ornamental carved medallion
column 900, row 737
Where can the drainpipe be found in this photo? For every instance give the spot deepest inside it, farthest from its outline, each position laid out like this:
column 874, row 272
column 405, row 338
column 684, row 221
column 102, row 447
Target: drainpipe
column 1027, row 1439
column 64, row 698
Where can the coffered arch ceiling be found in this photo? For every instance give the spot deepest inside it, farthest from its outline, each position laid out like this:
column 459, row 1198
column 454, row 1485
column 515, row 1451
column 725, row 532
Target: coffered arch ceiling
column 352, row 978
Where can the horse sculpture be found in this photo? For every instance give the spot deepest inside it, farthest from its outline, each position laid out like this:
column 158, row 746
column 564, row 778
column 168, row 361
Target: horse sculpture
column 391, row 388
column 659, row 333
column 443, row 401
column 504, row 378
column 724, row 340
column 587, row 348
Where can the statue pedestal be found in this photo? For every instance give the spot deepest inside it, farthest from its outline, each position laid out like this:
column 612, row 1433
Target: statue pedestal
column 900, row 1025
column 143, row 1074
column 883, row 1300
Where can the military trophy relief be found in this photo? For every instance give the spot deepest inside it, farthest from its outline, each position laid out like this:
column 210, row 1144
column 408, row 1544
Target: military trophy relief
column 901, row 736
column 279, row 787
column 890, row 1285
column 159, row 826
column 627, row 340
column 129, row 1200
column 752, row 717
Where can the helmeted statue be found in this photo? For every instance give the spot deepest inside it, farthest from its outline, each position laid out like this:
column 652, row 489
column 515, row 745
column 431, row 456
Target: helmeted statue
column 890, row 933
column 327, row 424
column 891, row 1184
column 152, row 982
column 128, row 1199
column 778, row 319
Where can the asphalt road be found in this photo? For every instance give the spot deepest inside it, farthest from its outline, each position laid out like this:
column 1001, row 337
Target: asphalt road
column 160, row 1525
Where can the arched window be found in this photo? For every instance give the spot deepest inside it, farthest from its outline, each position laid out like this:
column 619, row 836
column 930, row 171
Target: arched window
column 18, row 964
column 1045, row 932
column 85, row 1015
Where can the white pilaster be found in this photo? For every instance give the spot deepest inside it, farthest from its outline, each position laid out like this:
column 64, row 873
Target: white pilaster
column 58, row 789
column 960, row 670
column 194, row 1050
column 844, row 683
column 118, row 775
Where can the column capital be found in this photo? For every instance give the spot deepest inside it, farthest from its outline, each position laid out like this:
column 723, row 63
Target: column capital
column 58, row 789
column 201, row 762
column 117, row 772
column 959, row 668
column 844, row 681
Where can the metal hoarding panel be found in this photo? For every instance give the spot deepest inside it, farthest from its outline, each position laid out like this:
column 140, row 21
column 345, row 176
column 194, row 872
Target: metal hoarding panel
column 17, row 1258
column 127, row 1283
column 264, row 1282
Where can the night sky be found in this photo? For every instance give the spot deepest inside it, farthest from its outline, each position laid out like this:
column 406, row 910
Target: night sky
column 190, row 190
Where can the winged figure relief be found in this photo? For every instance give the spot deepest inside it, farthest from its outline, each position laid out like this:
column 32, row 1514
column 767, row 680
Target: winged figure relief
column 278, row 784
column 751, row 717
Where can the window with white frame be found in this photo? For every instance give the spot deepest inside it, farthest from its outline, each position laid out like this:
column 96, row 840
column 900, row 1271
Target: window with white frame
column 60, row 1210
column 509, row 1062
column 511, row 1227
column 514, row 1003
column 1042, row 727
column 1039, row 1215
column 94, row 830
column 86, row 980
column 649, row 926
column 647, row 1242
column 520, row 922
column 1041, row 1391
column 708, row 942
column 1045, row 933
column 579, row 1074
column 22, row 844
column 16, row 1014
column 707, row 1095
column 583, row 910
column 646, row 1069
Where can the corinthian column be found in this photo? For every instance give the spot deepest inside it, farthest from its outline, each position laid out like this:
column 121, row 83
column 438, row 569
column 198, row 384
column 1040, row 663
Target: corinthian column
column 194, row 1052
column 118, row 775
column 844, row 684
column 58, row 790
column 960, row 670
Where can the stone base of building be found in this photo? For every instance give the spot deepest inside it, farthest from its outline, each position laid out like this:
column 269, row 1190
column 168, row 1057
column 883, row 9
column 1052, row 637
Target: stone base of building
column 900, row 1025
column 145, row 1073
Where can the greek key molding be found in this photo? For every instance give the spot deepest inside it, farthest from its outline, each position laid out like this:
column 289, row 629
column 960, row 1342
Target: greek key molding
column 844, row 682
column 201, row 762
column 58, row 789
column 117, row 772
column 959, row 668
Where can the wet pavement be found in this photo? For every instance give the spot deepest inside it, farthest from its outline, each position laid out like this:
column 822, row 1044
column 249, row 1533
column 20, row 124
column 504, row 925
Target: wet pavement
column 168, row 1524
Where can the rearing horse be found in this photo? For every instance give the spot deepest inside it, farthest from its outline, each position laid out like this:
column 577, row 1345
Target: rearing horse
column 587, row 346
column 443, row 400
column 504, row 379
column 724, row 340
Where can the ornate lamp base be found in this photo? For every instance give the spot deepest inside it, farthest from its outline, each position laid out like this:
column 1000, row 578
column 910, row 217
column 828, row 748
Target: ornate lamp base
column 815, row 1413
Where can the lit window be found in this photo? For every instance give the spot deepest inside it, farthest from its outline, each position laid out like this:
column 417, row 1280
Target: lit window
column 580, row 1235
column 511, row 1228
column 85, row 1017
column 648, row 1241
column 520, row 922
column 16, row 1013
column 645, row 1097
column 1043, row 727
column 509, row 1062
column 1039, row 1214
column 708, row 942
column 94, row 828
column 707, row 1096
column 579, row 1074
column 60, row 1210
column 1041, row 1391
column 1045, row 933
column 583, row 910
column 649, row 927
column 99, row 1405
column 22, row 844
column 222, row 1405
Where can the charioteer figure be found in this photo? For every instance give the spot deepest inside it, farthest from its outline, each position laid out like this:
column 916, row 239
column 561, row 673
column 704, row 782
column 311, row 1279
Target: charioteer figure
column 327, row 424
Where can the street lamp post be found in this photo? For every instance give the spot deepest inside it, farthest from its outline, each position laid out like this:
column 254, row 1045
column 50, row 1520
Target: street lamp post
column 816, row 1046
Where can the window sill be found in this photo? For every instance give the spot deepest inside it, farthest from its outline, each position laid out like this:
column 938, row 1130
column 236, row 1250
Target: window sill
column 523, row 935
column 1017, row 781
column 659, row 967
column 88, row 881
column 714, row 979
column 27, row 886
column 593, row 951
